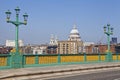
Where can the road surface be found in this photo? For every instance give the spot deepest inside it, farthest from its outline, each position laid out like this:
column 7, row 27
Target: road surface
column 107, row 75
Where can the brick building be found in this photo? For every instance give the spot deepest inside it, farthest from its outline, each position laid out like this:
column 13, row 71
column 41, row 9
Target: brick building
column 102, row 48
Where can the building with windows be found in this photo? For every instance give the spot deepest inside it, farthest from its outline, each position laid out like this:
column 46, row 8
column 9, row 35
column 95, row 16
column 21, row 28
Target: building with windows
column 11, row 43
column 114, row 40
column 86, row 46
column 40, row 49
column 71, row 46
column 102, row 49
column 52, row 49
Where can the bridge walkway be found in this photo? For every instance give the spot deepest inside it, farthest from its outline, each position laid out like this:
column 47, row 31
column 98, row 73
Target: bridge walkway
column 10, row 73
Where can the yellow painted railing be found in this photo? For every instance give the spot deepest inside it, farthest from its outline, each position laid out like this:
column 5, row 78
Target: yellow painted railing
column 92, row 58
column 102, row 57
column 118, row 57
column 3, row 61
column 114, row 57
column 73, row 58
column 37, row 60
column 30, row 59
column 47, row 59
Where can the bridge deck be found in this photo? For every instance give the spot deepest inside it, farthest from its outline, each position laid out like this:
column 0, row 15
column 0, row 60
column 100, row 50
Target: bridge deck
column 54, row 69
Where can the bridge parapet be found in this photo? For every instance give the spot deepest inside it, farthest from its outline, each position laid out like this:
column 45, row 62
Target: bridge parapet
column 30, row 60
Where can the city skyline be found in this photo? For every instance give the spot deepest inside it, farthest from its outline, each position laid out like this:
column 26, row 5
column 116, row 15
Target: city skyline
column 48, row 17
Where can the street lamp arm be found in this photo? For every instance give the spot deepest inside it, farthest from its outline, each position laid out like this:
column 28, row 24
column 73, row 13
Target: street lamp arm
column 16, row 23
column 111, row 33
column 21, row 23
column 107, row 33
column 13, row 22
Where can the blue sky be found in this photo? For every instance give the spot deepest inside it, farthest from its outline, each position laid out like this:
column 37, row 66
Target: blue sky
column 57, row 17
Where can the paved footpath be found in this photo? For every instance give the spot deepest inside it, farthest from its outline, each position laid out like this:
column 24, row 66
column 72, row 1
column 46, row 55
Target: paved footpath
column 8, row 73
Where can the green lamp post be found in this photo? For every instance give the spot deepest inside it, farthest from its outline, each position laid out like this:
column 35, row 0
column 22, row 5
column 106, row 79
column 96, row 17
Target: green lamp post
column 108, row 33
column 16, row 56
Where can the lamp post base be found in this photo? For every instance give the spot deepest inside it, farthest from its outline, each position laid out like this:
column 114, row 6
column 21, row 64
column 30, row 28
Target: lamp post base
column 108, row 56
column 16, row 61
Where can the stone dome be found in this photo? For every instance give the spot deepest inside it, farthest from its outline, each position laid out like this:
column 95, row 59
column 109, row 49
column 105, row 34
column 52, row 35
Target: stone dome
column 74, row 34
column 74, row 30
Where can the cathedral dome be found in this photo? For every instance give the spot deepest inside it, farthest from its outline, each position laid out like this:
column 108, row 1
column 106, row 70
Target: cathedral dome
column 74, row 34
column 74, row 30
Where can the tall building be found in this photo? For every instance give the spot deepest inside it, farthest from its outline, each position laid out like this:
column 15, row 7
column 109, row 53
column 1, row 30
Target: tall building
column 71, row 46
column 114, row 40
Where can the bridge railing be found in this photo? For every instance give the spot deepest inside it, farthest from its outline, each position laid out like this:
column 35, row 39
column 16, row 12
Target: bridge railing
column 38, row 60
column 116, row 57
column 5, row 61
column 30, row 60
column 56, row 59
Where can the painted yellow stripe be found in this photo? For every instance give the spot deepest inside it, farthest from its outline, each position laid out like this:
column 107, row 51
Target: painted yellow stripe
column 118, row 57
column 102, row 57
column 72, row 59
column 30, row 59
column 92, row 58
column 3, row 61
column 114, row 57
column 48, row 59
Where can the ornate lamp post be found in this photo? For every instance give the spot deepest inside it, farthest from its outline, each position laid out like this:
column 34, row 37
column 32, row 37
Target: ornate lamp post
column 108, row 33
column 16, row 23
